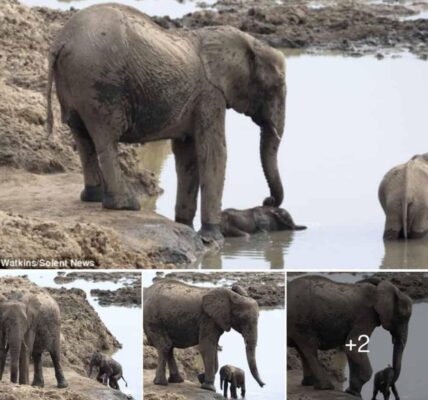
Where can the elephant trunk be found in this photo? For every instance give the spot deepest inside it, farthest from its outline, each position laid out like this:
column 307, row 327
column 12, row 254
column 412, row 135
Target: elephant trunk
column 91, row 367
column 15, row 343
column 221, row 382
column 399, row 345
column 271, row 134
column 251, row 359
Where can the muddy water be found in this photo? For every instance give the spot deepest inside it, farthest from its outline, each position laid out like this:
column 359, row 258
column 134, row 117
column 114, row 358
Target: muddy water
column 349, row 121
column 270, row 351
column 123, row 322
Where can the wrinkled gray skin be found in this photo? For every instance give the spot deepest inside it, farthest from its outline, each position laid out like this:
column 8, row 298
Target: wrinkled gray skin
column 324, row 315
column 122, row 78
column 235, row 223
column 181, row 316
column 30, row 326
column 403, row 194
column 384, row 382
column 235, row 377
column 109, row 370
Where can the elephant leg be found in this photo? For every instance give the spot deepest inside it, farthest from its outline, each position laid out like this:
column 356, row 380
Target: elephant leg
column 243, row 390
column 117, row 194
column 187, row 180
column 174, row 373
column 210, row 143
column 38, row 370
column 308, row 378
column 56, row 360
column 375, row 391
column 394, row 390
column 360, row 370
column 233, row 393
column 393, row 226
column 208, row 349
column 163, row 345
column 92, row 191
column 387, row 394
column 24, row 361
column 233, row 231
column 308, row 348
column 225, row 388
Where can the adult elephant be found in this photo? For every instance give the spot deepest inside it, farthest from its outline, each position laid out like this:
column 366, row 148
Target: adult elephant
column 29, row 327
column 122, row 78
column 180, row 315
column 323, row 314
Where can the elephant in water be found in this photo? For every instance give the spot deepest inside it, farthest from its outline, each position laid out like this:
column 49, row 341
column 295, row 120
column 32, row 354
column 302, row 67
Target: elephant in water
column 403, row 194
column 258, row 219
column 235, row 377
column 181, row 315
column 29, row 327
column 384, row 382
column 324, row 315
column 120, row 77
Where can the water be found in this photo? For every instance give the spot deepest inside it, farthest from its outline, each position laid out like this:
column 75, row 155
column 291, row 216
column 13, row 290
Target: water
column 123, row 322
column 173, row 8
column 349, row 121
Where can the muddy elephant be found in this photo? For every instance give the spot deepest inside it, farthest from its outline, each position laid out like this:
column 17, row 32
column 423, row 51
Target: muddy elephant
column 29, row 327
column 384, row 382
column 120, row 77
column 403, row 194
column 235, row 377
column 235, row 223
column 109, row 370
column 180, row 315
column 324, row 315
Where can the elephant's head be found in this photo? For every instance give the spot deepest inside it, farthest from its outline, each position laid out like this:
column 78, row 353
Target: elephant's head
column 229, row 309
column 394, row 309
column 96, row 361
column 13, row 326
column 251, row 76
column 226, row 374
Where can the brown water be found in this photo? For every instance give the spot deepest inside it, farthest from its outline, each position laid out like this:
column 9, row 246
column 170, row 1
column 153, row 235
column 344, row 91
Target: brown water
column 349, row 121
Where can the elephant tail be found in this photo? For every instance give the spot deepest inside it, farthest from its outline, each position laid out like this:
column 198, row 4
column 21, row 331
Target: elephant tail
column 126, row 383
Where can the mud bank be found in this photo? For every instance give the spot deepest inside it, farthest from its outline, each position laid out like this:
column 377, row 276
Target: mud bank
column 353, row 28
column 266, row 288
column 125, row 296
column 115, row 277
column 82, row 333
column 182, row 391
column 45, row 172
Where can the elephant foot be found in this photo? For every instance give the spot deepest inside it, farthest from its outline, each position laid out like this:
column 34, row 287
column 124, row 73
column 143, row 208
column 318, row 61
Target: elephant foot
column 127, row 202
column 211, row 234
column 62, row 384
column 308, row 381
column 38, row 383
column 327, row 385
column 353, row 392
column 208, row 386
column 160, row 381
column 176, row 378
column 92, row 194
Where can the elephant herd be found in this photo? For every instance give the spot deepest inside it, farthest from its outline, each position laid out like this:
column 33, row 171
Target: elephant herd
column 120, row 77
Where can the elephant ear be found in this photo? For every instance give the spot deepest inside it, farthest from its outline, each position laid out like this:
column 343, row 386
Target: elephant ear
column 216, row 304
column 391, row 303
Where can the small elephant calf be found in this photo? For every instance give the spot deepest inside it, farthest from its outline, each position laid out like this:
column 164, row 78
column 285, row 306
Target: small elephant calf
column 233, row 376
column 383, row 382
column 109, row 370
column 235, row 223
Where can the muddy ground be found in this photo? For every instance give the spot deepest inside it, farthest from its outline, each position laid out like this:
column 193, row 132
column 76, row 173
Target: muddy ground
column 266, row 288
column 414, row 284
column 40, row 178
column 82, row 332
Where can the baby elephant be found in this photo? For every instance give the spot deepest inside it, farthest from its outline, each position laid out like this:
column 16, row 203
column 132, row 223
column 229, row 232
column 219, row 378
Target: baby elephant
column 383, row 382
column 109, row 370
column 236, row 223
column 403, row 194
column 233, row 376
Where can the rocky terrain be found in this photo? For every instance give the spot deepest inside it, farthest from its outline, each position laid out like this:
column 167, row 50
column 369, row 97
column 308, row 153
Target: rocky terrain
column 82, row 332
